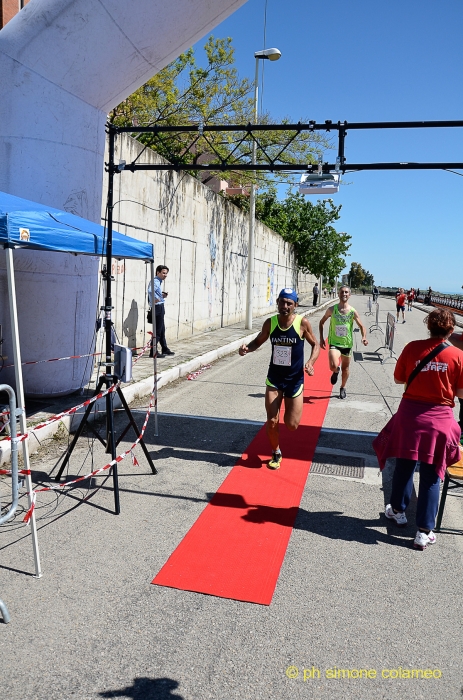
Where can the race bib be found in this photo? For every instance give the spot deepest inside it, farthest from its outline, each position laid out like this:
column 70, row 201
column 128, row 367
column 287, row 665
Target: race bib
column 341, row 331
column 282, row 356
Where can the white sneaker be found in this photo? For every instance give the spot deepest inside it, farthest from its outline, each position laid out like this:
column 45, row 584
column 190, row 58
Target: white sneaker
column 422, row 540
column 400, row 518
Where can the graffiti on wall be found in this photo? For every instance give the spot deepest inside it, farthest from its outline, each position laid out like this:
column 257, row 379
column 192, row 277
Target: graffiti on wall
column 77, row 203
column 210, row 275
column 271, row 284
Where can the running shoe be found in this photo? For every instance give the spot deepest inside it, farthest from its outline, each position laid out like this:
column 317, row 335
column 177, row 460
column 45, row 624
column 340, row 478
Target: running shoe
column 334, row 377
column 342, row 393
column 422, row 540
column 400, row 518
column 275, row 461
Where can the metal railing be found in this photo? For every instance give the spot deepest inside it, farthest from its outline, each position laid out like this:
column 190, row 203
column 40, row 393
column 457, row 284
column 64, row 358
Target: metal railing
column 451, row 302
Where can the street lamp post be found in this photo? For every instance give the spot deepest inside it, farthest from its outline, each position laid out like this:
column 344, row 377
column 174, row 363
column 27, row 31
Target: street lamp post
column 271, row 55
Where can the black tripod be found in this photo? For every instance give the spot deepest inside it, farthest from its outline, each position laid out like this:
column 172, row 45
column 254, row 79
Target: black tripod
column 110, row 442
column 108, row 379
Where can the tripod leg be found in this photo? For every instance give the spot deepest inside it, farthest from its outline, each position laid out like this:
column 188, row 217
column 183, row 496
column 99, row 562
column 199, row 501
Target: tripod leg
column 96, row 434
column 77, row 435
column 123, row 434
column 135, row 427
column 111, row 447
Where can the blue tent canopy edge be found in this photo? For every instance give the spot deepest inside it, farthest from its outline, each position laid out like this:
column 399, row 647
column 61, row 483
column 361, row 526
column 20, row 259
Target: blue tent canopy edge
column 26, row 224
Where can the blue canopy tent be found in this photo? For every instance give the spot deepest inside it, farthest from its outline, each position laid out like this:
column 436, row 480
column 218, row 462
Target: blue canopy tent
column 29, row 225
column 25, row 224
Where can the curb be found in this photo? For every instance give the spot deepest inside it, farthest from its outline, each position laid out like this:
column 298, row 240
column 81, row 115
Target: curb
column 140, row 389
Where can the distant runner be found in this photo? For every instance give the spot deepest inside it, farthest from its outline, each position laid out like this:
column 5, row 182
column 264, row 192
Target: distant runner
column 287, row 332
column 401, row 305
column 341, row 337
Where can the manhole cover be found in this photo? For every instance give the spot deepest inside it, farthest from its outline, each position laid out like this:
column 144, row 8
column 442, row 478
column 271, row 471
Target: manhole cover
column 338, row 465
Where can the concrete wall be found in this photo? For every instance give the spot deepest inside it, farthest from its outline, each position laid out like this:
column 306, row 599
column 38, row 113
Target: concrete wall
column 64, row 64
column 202, row 238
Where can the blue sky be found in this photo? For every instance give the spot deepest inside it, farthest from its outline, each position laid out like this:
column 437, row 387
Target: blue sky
column 374, row 61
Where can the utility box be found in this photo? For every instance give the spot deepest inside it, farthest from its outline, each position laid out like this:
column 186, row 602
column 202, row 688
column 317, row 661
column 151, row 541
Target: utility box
column 123, row 363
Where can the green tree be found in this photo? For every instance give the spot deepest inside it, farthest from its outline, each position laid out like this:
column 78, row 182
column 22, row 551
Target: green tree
column 186, row 93
column 359, row 277
column 319, row 248
column 369, row 279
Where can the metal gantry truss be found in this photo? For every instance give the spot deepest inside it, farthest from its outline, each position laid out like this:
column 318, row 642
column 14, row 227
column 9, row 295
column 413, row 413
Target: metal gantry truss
column 235, row 157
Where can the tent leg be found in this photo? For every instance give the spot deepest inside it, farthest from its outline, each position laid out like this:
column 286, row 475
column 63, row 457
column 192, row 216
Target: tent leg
column 154, row 348
column 20, row 400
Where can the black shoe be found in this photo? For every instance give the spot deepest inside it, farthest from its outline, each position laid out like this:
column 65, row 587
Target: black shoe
column 160, row 355
column 342, row 393
column 166, row 351
column 334, row 377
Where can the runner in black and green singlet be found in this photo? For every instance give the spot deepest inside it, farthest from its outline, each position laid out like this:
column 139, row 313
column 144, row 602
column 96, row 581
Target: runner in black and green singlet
column 340, row 337
column 286, row 369
column 285, row 380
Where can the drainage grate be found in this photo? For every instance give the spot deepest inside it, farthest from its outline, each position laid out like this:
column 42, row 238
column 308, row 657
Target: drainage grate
column 338, row 465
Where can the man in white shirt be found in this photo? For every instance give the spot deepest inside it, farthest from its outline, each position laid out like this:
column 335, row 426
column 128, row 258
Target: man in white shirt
column 159, row 309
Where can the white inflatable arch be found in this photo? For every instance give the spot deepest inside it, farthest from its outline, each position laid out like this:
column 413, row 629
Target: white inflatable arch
column 64, row 65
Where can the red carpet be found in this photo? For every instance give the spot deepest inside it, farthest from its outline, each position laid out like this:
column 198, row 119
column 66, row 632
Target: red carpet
column 236, row 547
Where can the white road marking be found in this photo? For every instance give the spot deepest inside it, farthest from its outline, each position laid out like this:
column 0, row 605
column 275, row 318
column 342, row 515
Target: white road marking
column 362, row 406
column 238, row 421
column 342, row 431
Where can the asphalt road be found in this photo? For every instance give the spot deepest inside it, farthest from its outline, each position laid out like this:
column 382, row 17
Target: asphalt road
column 352, row 594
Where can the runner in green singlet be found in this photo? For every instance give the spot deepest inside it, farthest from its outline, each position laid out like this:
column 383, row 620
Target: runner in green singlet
column 340, row 337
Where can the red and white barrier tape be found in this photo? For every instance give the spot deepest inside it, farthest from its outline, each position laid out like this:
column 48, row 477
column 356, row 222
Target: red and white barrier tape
column 55, row 359
column 58, row 487
column 26, row 472
column 70, row 357
column 20, row 438
column 144, row 349
column 70, row 411
column 196, row 374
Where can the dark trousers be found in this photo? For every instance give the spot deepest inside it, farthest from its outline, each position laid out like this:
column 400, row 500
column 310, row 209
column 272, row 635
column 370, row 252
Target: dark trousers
column 428, row 492
column 160, row 312
column 315, row 299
